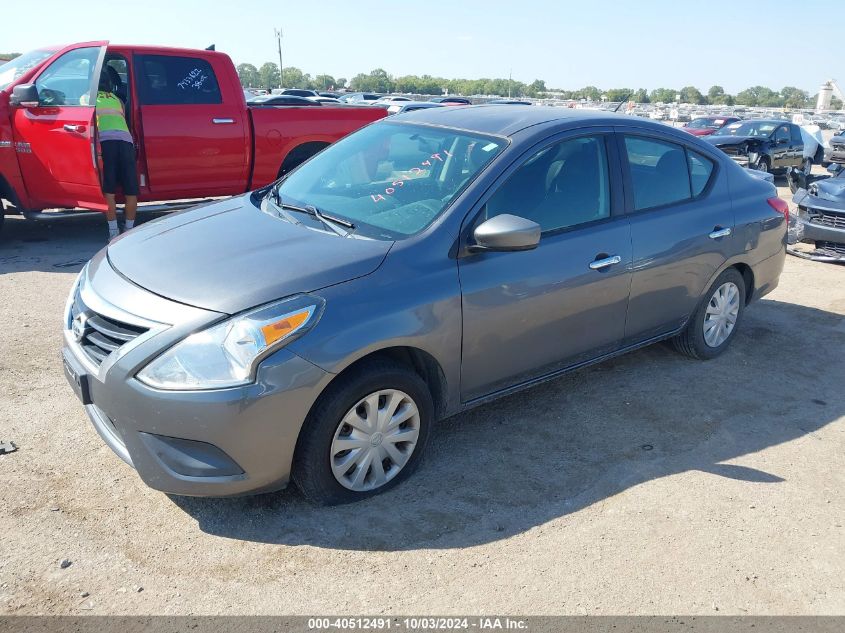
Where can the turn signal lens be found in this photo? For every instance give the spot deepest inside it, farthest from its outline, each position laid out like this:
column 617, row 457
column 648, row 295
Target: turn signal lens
column 284, row 327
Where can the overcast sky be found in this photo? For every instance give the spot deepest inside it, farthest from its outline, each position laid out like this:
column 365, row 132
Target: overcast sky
column 648, row 44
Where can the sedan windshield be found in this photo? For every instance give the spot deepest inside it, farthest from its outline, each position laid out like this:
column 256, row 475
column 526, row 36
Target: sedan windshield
column 749, row 128
column 13, row 69
column 390, row 180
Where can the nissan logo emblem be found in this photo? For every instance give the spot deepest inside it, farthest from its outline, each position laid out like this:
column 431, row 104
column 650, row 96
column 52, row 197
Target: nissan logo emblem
column 79, row 325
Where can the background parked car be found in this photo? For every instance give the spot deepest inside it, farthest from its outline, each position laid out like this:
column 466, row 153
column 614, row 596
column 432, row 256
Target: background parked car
column 297, row 92
column 409, row 106
column 360, row 97
column 388, row 99
column 765, row 144
column 705, row 126
column 451, row 100
column 282, row 100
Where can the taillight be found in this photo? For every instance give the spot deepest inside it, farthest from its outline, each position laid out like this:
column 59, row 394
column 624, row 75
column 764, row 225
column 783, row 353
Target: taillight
column 779, row 205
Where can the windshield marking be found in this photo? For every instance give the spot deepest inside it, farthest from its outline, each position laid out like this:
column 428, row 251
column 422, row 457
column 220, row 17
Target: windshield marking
column 416, row 171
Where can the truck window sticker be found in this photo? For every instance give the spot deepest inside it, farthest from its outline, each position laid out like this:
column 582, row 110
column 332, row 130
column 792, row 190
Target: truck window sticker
column 194, row 79
column 414, row 173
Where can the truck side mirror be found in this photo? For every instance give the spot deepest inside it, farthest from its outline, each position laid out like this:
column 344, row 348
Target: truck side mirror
column 24, row 96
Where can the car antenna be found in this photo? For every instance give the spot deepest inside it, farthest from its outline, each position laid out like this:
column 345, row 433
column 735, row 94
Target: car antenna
column 616, row 109
column 211, row 48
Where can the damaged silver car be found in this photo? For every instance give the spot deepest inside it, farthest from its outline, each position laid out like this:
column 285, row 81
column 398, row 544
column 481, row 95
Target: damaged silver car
column 820, row 219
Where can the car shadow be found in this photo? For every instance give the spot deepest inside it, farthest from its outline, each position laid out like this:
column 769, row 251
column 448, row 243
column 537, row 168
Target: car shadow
column 57, row 246
column 510, row 466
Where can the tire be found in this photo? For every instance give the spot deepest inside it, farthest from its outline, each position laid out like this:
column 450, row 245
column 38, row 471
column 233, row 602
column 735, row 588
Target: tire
column 317, row 459
column 807, row 166
column 692, row 341
column 763, row 165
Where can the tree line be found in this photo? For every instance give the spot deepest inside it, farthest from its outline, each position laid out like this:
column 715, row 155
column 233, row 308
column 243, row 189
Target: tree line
column 379, row 80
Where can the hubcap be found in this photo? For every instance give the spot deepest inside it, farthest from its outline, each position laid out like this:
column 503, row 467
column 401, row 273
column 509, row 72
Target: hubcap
column 375, row 440
column 721, row 315
column 763, row 166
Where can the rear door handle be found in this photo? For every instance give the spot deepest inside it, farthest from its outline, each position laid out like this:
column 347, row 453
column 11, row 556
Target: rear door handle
column 222, row 121
column 600, row 264
column 73, row 128
column 717, row 233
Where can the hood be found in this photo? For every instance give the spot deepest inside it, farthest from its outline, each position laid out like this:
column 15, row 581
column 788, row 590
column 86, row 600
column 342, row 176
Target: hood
column 699, row 131
column 832, row 189
column 727, row 139
column 228, row 256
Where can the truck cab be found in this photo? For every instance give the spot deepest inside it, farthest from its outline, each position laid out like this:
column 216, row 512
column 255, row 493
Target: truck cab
column 195, row 135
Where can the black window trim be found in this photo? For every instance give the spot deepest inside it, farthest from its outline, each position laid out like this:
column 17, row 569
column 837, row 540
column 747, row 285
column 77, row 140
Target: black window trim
column 621, row 133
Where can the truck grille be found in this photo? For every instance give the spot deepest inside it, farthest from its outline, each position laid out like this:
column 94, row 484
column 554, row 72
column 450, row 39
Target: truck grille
column 837, row 248
column 831, row 219
column 101, row 335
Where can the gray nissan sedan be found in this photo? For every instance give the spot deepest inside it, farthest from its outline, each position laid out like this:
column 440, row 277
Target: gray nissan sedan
column 316, row 329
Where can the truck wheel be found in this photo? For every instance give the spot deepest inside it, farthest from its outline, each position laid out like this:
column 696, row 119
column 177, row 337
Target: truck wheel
column 365, row 434
column 762, row 164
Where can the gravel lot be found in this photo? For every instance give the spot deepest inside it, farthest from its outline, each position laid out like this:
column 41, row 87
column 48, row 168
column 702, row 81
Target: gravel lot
column 648, row 484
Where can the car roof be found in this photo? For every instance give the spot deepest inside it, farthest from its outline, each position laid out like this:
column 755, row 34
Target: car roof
column 506, row 120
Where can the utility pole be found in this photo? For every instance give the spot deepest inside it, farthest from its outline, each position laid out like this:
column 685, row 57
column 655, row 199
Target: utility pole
column 279, row 44
column 510, row 76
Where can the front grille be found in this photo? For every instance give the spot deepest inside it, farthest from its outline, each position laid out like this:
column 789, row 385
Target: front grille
column 831, row 219
column 837, row 248
column 101, row 335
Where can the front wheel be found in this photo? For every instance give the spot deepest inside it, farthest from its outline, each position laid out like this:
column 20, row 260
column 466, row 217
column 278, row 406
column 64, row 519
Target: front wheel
column 364, row 435
column 713, row 325
column 763, row 165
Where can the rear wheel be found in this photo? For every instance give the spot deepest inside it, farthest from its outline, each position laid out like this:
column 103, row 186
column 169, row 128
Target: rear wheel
column 366, row 434
column 713, row 325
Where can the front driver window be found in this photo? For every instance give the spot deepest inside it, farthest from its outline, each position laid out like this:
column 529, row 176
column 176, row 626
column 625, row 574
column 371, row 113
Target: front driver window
column 69, row 80
column 558, row 187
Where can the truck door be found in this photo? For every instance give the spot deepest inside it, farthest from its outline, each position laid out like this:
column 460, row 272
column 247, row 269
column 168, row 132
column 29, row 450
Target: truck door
column 781, row 152
column 193, row 126
column 56, row 140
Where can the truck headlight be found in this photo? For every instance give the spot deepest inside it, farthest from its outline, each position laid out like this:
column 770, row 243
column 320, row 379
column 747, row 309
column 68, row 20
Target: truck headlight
column 227, row 354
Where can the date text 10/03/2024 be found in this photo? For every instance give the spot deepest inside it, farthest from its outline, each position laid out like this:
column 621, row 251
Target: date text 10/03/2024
column 416, row 624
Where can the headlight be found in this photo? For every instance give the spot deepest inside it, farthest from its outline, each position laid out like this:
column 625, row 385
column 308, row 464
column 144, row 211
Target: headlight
column 72, row 296
column 227, row 354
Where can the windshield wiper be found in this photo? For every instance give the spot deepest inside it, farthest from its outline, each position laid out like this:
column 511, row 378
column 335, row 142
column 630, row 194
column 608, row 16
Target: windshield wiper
column 332, row 222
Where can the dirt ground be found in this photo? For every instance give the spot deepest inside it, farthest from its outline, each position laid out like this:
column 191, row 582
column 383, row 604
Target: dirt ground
column 648, row 484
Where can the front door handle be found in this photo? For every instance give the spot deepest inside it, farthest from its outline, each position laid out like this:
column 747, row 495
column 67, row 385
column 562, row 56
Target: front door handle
column 222, row 121
column 601, row 264
column 717, row 233
column 68, row 127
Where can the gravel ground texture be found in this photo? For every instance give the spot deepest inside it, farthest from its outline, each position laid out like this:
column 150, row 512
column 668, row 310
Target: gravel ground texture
column 649, row 484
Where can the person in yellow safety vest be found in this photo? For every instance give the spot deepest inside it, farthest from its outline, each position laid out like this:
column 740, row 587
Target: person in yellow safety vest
column 118, row 151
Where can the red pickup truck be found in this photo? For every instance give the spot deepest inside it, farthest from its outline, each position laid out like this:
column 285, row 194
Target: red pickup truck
column 195, row 133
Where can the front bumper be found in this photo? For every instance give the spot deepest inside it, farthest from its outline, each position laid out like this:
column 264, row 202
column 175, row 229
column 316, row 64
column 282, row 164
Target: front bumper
column 222, row 442
column 820, row 222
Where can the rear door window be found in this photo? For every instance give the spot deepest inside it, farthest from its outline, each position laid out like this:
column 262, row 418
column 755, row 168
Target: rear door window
column 700, row 170
column 659, row 172
column 176, row 80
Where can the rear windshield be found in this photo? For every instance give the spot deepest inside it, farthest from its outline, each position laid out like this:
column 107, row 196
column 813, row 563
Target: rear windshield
column 391, row 180
column 12, row 70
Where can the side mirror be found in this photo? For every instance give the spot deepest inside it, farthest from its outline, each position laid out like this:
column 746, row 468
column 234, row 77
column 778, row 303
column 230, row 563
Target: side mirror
column 25, row 96
column 506, row 233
